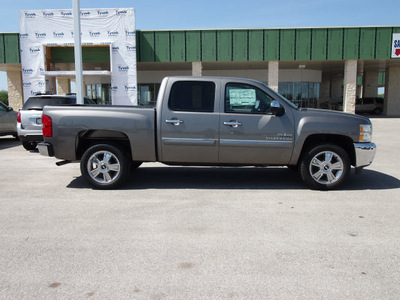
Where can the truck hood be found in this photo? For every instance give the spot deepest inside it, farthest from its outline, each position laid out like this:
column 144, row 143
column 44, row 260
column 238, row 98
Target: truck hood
column 311, row 112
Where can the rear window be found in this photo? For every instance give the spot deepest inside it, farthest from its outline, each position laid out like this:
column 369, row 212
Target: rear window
column 37, row 103
column 197, row 96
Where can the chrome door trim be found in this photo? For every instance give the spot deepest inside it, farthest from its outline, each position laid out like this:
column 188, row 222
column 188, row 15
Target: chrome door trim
column 189, row 142
column 254, row 143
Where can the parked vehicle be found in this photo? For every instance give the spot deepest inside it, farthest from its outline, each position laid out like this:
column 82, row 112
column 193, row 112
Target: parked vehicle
column 8, row 119
column 209, row 121
column 29, row 124
column 372, row 105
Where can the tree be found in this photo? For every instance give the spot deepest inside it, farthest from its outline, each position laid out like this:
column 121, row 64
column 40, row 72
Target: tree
column 4, row 97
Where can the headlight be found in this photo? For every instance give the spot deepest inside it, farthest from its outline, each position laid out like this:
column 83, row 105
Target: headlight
column 365, row 133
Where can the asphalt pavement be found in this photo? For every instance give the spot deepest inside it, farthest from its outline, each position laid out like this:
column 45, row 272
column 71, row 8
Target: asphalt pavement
column 199, row 233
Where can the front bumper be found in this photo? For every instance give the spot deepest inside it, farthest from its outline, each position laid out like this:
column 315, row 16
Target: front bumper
column 365, row 153
column 45, row 149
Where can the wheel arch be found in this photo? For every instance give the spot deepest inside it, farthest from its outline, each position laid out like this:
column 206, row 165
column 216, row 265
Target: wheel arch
column 342, row 141
column 88, row 138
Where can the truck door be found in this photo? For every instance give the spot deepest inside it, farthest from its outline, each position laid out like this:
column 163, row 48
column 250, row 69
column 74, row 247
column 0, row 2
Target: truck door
column 249, row 132
column 189, row 122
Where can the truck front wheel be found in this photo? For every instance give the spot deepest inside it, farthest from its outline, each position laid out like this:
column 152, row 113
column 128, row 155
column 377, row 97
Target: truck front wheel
column 105, row 166
column 324, row 166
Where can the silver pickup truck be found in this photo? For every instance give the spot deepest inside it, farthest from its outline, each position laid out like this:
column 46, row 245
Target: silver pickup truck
column 213, row 121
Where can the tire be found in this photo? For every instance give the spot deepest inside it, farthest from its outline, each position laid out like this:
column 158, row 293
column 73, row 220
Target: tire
column 105, row 166
column 29, row 145
column 325, row 166
column 377, row 111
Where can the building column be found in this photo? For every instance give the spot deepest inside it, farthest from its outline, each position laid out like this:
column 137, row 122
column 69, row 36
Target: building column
column 197, row 68
column 350, row 86
column 324, row 100
column 273, row 75
column 370, row 84
column 392, row 92
column 15, row 93
column 63, row 85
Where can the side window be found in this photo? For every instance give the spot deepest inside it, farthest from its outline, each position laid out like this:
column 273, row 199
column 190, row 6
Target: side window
column 246, row 99
column 2, row 107
column 195, row 96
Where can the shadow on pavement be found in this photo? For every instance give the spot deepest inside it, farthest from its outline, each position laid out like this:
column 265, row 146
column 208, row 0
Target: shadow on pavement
column 236, row 178
column 9, row 142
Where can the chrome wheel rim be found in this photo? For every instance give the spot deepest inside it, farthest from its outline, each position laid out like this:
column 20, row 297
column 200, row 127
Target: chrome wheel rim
column 103, row 167
column 326, row 167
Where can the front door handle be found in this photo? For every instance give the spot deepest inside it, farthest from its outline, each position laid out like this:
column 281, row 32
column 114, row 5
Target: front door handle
column 233, row 124
column 175, row 122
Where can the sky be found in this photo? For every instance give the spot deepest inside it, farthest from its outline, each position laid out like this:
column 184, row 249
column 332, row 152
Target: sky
column 205, row 14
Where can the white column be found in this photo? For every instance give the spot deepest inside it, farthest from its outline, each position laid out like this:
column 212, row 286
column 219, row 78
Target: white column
column 392, row 92
column 15, row 93
column 350, row 85
column 197, row 68
column 370, row 84
column 273, row 75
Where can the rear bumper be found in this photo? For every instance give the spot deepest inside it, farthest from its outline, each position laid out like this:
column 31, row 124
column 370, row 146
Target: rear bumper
column 45, row 149
column 365, row 153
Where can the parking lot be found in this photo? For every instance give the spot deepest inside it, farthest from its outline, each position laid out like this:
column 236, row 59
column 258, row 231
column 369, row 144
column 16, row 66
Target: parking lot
column 199, row 233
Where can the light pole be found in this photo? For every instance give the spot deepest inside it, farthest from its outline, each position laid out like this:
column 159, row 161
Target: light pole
column 78, row 51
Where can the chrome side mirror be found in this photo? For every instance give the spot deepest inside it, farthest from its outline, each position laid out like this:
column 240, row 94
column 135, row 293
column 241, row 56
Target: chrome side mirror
column 277, row 109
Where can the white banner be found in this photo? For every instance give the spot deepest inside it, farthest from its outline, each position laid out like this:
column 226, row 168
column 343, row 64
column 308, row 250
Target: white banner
column 46, row 28
column 396, row 45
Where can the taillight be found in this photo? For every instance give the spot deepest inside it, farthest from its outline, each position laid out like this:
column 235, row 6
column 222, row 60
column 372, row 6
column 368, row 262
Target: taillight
column 47, row 126
column 19, row 117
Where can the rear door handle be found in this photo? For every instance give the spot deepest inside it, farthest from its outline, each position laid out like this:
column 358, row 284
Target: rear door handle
column 233, row 124
column 175, row 122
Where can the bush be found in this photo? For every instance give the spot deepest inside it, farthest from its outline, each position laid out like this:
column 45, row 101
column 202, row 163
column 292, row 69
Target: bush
column 4, row 97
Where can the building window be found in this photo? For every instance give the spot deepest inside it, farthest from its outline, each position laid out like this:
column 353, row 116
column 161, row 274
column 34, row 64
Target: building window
column 147, row 94
column 302, row 94
column 99, row 93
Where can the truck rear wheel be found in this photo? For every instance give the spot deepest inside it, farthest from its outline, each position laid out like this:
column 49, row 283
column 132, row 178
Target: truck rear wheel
column 105, row 166
column 324, row 166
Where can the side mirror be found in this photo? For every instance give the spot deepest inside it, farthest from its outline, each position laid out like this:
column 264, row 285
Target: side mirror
column 277, row 109
column 10, row 109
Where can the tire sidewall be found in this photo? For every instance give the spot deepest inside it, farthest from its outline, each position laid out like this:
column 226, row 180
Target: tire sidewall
column 120, row 155
column 309, row 155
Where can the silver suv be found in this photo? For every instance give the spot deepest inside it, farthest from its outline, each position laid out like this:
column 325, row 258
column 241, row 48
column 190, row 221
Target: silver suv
column 29, row 120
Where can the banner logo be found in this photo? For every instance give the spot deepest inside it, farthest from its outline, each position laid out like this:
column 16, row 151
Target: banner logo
column 27, row 71
column 94, row 34
column 58, row 35
column 66, row 14
column 123, row 68
column 40, row 35
column 34, row 50
column 48, row 14
column 30, row 15
column 113, row 33
column 103, row 13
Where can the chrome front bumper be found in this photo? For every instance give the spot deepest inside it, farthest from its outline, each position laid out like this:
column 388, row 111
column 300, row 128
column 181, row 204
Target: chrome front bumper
column 45, row 149
column 365, row 153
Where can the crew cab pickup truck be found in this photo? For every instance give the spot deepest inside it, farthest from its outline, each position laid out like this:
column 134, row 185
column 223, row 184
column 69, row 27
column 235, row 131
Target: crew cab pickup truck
column 213, row 121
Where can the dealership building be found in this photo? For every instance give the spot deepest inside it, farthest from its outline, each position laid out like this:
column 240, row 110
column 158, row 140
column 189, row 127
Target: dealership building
column 312, row 67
